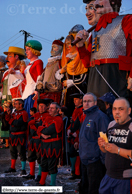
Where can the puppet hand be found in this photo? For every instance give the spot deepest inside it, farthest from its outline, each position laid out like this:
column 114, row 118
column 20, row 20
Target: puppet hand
column 39, row 85
column 68, row 83
column 11, row 71
column 129, row 81
column 59, row 74
column 36, row 95
column 82, row 34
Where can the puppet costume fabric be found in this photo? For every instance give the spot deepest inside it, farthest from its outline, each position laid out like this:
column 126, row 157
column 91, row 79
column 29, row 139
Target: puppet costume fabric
column 8, row 80
column 109, row 51
column 31, row 73
column 76, row 72
column 51, row 87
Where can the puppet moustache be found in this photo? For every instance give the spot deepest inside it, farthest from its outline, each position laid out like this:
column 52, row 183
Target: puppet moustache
column 99, row 6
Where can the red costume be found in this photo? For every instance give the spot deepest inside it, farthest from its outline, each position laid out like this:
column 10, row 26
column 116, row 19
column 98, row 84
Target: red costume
column 35, row 121
column 51, row 126
column 77, row 113
column 33, row 154
column 74, row 156
column 17, row 138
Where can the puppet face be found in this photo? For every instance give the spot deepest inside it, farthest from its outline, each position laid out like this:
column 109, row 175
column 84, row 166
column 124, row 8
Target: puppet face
column 56, row 50
column 29, row 53
column 91, row 14
column 12, row 59
column 103, row 6
column 69, row 47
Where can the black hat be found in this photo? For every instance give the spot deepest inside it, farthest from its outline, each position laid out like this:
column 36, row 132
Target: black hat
column 77, row 95
column 45, row 101
column 87, row 1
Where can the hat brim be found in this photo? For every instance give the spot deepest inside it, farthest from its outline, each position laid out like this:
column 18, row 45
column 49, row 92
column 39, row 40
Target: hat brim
column 76, row 95
column 6, row 53
column 87, row 1
column 45, row 101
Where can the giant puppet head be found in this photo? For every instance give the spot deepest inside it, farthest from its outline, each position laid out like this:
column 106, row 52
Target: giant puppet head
column 91, row 14
column 106, row 6
column 70, row 58
column 71, row 37
column 57, row 47
column 33, row 48
column 14, row 55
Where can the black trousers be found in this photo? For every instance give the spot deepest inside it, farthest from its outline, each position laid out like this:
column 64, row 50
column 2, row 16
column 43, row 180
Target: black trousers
column 72, row 152
column 21, row 149
column 33, row 155
column 92, row 175
column 49, row 164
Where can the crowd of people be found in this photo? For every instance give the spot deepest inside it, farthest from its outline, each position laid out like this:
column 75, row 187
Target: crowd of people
column 56, row 115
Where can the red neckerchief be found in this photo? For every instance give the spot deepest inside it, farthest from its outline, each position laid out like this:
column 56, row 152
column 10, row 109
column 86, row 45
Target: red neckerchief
column 105, row 19
column 7, row 73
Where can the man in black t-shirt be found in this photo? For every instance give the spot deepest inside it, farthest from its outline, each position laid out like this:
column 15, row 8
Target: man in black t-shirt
column 118, row 150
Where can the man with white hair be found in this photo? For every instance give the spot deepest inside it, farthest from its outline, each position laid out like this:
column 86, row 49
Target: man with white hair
column 92, row 158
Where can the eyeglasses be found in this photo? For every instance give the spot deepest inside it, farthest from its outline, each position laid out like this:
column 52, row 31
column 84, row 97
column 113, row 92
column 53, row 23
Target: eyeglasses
column 88, row 101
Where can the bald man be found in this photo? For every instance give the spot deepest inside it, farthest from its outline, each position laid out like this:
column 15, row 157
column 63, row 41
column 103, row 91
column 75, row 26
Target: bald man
column 118, row 150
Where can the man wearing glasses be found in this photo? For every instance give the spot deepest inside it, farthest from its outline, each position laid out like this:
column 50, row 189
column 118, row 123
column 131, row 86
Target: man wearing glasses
column 92, row 158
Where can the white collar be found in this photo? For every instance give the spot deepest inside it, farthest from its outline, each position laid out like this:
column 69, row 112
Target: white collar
column 52, row 59
column 71, row 56
column 31, row 62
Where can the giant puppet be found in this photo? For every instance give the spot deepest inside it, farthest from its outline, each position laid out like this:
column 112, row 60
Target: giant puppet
column 110, row 50
column 48, row 86
column 32, row 72
column 18, row 86
column 73, row 68
column 14, row 55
